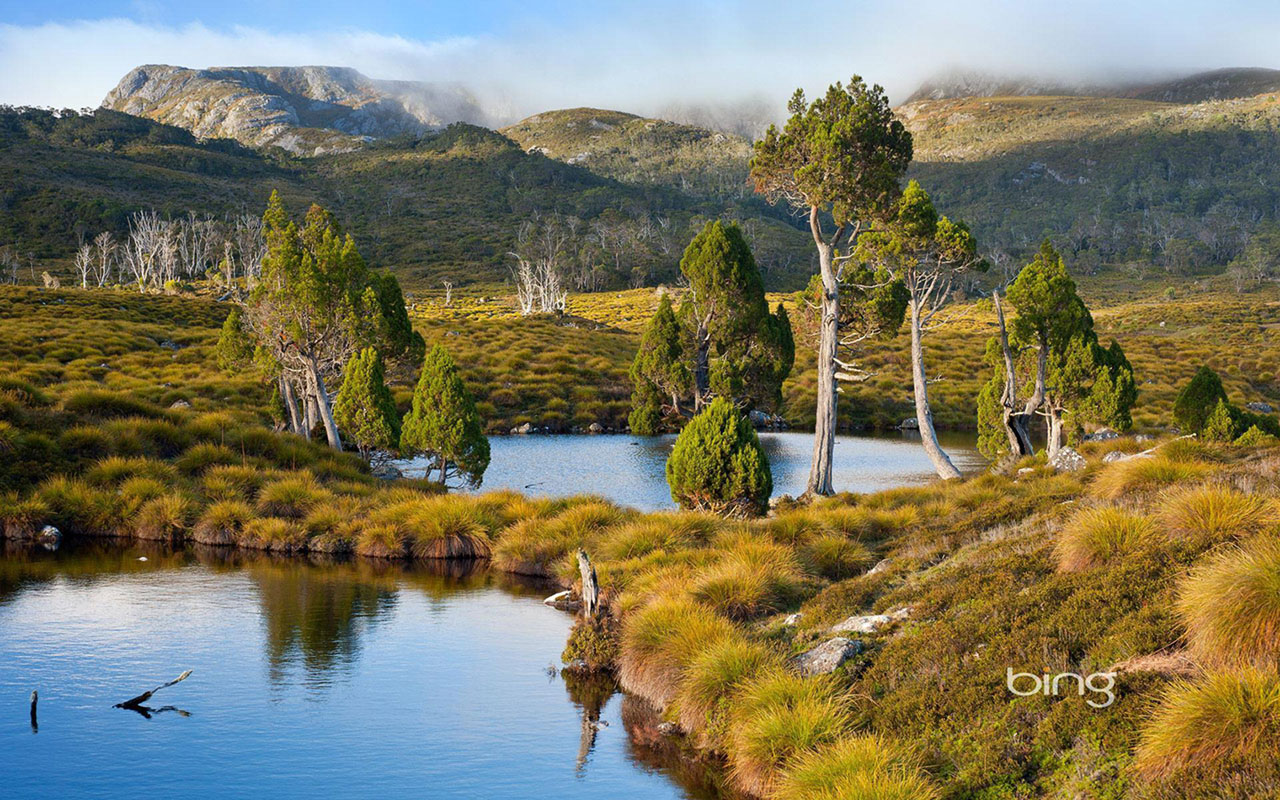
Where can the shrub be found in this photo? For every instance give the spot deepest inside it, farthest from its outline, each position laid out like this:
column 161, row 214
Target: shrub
column 718, row 465
column 1220, row 426
column 863, row 767
column 1225, row 724
column 291, row 497
column 593, row 642
column 1231, row 606
column 779, row 717
column 221, row 523
column 1197, row 400
column 1255, row 437
column 1094, row 537
column 712, row 682
column 1211, row 513
column 660, row 640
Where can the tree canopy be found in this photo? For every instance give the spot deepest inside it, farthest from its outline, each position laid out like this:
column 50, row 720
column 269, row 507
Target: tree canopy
column 443, row 424
column 718, row 465
column 364, row 409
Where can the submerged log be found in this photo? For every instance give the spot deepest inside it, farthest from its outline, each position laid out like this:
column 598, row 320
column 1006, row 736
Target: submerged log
column 35, row 696
column 590, row 587
column 136, row 702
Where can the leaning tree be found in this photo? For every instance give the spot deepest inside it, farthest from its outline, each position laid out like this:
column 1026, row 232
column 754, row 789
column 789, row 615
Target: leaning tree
column 839, row 158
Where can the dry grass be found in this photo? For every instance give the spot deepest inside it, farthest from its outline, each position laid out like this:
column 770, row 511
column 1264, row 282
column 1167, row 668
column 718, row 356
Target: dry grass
column 660, row 640
column 1231, row 606
column 1094, row 537
column 1214, row 513
column 862, row 767
column 1145, row 474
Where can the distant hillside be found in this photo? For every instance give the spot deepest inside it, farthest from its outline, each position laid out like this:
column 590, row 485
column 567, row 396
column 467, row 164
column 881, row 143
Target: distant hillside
column 638, row 150
column 1219, row 84
column 304, row 110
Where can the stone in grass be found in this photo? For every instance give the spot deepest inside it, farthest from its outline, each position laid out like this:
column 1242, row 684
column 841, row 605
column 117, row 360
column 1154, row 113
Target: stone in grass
column 827, row 657
column 1115, row 455
column 1067, row 460
column 870, row 623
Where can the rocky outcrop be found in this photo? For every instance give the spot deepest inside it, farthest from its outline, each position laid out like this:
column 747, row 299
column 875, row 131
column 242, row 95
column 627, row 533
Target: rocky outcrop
column 870, row 623
column 305, row 110
column 1067, row 460
column 827, row 657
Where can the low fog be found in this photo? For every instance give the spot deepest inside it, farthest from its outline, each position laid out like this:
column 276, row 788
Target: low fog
column 733, row 62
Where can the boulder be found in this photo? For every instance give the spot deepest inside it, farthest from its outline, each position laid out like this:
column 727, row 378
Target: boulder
column 49, row 537
column 870, row 623
column 792, row 619
column 1261, row 408
column 177, row 404
column 827, row 657
column 758, row 418
column 526, row 428
column 1114, row 455
column 1068, row 460
column 909, row 424
column 1103, row 435
column 387, row 472
column 880, row 566
column 595, row 427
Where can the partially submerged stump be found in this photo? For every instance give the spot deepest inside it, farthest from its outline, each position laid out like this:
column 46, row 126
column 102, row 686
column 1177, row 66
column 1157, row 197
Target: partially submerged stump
column 590, row 587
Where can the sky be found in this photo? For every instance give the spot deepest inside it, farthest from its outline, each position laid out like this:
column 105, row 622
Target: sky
column 534, row 55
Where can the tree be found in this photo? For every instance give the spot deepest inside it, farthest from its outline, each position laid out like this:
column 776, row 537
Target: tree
column 443, row 424
column 1220, row 425
column 658, row 373
column 841, row 156
column 235, row 347
column 718, row 465
column 398, row 339
column 364, row 409
column 1198, row 399
column 927, row 252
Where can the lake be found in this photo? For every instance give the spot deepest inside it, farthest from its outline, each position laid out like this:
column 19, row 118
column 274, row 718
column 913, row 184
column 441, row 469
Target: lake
column 631, row 470
column 351, row 679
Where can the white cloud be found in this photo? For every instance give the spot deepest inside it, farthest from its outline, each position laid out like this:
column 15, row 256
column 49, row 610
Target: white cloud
column 650, row 56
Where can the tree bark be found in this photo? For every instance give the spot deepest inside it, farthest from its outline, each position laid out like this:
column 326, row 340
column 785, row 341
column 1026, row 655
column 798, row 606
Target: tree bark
column 701, row 368
column 290, row 405
column 590, row 587
column 322, row 405
column 1015, row 424
column 924, row 417
column 824, row 426
column 1054, row 444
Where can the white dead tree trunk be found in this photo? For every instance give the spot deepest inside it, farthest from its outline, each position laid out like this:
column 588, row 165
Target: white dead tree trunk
column 104, row 246
column 84, row 264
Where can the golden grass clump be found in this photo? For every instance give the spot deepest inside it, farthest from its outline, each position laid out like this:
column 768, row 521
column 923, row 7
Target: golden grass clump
column 221, row 523
column 1212, row 513
column 860, row 767
column 116, row 470
column 778, row 718
column 752, row 576
column 538, row 546
column 712, row 682
column 1143, row 474
column 660, row 640
column 164, row 518
column 665, row 532
column 273, row 533
column 1231, row 606
column 1225, row 723
column 383, row 540
column 22, row 518
column 334, row 526
column 291, row 497
column 836, row 557
column 451, row 527
column 1094, row 537
column 78, row 508
column 231, row 482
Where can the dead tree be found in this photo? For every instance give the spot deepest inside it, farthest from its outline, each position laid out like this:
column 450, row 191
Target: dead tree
column 590, row 586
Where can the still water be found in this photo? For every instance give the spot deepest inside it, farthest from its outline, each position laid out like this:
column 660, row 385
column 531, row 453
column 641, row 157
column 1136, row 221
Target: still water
column 631, row 470
column 343, row 680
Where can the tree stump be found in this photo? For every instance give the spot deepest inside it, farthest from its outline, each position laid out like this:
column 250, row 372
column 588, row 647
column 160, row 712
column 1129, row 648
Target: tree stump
column 590, row 587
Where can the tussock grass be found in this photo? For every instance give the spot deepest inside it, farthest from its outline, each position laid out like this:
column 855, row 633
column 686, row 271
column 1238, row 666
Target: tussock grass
column 163, row 518
column 1145, row 474
column 1231, row 606
column 106, row 404
column 779, row 718
column 861, row 767
column 539, row 546
column 199, row 457
column 1223, row 724
column 668, row 532
column 291, row 497
column 115, row 470
column 1094, row 537
column 76, row 507
column 1214, row 513
column 660, row 640
column 231, row 482
column 221, row 523
column 382, row 541
column 752, row 576
column 712, row 682
column 449, row 528
column 272, row 533
column 836, row 557
column 22, row 517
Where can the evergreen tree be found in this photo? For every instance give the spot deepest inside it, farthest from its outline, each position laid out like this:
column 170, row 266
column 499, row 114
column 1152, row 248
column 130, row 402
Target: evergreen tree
column 365, row 410
column 1197, row 400
column 444, row 425
column 718, row 465
column 841, row 158
column 235, row 347
column 1220, row 425
column 659, row 374
column 399, row 339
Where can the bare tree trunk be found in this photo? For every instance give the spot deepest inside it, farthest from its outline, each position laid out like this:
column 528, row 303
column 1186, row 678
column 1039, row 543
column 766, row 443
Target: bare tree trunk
column 701, row 369
column 322, row 404
column 1015, row 424
column 824, row 425
column 924, row 417
column 290, row 405
column 590, row 587
column 1054, row 444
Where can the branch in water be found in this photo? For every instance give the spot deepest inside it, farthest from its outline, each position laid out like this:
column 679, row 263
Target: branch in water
column 145, row 696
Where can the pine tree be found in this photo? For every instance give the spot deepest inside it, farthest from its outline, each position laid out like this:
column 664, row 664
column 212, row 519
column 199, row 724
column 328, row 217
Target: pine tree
column 659, row 374
column 1220, row 425
column 235, row 347
column 444, row 425
column 1198, row 399
column 718, row 465
column 365, row 410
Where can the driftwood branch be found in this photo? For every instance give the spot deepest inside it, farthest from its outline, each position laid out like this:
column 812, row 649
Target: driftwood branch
column 590, row 587
column 136, row 702
column 35, row 696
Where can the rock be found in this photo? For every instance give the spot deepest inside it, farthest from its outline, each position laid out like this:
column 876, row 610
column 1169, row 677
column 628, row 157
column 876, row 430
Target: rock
column 880, row 566
column 1103, row 435
column 595, row 427
column 387, row 472
column 1068, row 460
column 1261, row 408
column 524, row 429
column 827, row 657
column 49, row 537
column 169, row 344
column 1026, row 470
column 1114, row 455
column 668, row 728
column 176, row 404
column 792, row 619
column 758, row 418
column 1144, row 437
column 909, row 424
column 870, row 623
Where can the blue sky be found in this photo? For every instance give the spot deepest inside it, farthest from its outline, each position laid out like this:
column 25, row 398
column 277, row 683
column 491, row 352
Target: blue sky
column 522, row 57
